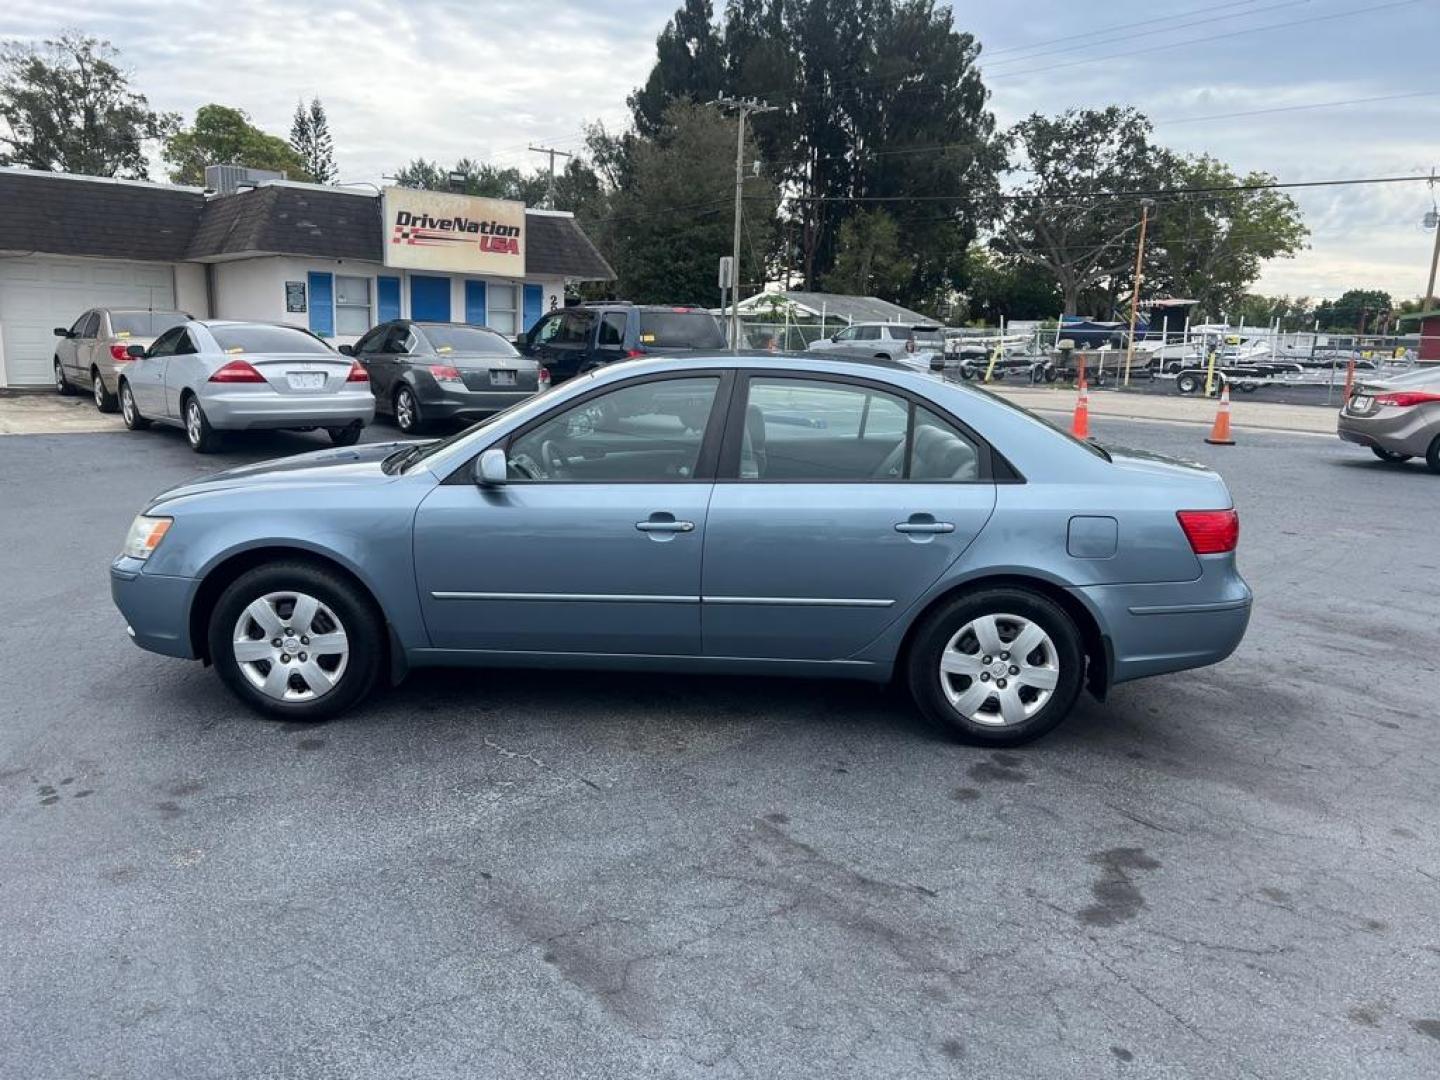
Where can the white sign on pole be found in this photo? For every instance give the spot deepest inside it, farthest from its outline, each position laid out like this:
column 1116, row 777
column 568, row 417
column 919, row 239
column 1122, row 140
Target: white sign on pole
column 727, row 271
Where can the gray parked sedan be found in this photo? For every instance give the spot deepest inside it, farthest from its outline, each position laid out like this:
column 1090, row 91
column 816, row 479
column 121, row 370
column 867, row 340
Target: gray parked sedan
column 212, row 376
column 754, row 515
column 92, row 352
column 1397, row 418
column 422, row 373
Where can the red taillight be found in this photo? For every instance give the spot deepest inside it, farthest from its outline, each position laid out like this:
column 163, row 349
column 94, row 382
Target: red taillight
column 630, row 354
column 681, row 310
column 1405, row 399
column 237, row 371
column 1210, row 532
column 543, row 377
column 445, row 373
column 120, row 354
column 357, row 373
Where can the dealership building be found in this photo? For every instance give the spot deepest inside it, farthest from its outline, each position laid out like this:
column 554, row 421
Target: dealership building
column 334, row 260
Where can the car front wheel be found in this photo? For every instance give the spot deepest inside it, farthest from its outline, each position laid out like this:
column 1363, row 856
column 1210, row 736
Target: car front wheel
column 296, row 641
column 998, row 667
column 129, row 411
column 61, row 386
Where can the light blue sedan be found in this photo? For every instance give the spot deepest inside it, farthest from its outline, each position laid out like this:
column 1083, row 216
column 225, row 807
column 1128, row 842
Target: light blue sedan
column 752, row 515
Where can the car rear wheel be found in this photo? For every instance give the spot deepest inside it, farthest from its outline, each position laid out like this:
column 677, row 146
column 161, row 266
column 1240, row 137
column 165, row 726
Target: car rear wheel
column 344, row 436
column 1432, row 456
column 1391, row 456
column 203, row 439
column 998, row 667
column 296, row 641
column 407, row 411
column 129, row 411
column 104, row 400
column 61, row 386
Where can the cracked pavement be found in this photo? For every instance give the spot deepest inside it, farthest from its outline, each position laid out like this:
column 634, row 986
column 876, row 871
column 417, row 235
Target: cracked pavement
column 1229, row 872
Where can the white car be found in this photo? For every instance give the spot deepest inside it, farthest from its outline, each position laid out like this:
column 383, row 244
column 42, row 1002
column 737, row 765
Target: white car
column 208, row 376
column 883, row 341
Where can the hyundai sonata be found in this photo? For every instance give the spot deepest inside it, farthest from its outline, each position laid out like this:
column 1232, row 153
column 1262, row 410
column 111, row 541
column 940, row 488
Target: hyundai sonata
column 753, row 515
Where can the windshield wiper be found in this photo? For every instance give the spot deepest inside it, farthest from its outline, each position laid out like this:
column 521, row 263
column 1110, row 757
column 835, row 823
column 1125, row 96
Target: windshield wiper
column 396, row 460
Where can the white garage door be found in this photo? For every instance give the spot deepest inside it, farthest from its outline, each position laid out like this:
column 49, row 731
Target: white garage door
column 40, row 292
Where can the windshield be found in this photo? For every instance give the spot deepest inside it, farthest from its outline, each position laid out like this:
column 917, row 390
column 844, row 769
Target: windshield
column 418, row 452
column 145, row 323
column 927, row 335
column 680, row 330
column 259, row 338
column 466, row 339
column 1098, row 451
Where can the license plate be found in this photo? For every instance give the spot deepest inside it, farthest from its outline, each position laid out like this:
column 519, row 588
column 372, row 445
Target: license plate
column 502, row 378
column 306, row 380
column 1360, row 403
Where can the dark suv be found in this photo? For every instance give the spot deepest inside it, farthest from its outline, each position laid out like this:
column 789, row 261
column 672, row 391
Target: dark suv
column 575, row 340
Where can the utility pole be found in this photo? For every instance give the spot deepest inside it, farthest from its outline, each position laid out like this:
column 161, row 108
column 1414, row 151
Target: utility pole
column 1145, row 205
column 550, row 187
column 744, row 107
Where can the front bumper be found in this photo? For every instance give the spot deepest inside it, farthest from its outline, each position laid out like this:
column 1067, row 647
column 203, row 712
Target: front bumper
column 156, row 607
column 247, row 410
column 1174, row 626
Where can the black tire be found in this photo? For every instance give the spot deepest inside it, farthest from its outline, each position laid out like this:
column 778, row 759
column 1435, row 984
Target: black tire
column 61, row 385
column 105, row 401
column 203, row 439
column 406, row 410
column 344, row 436
column 364, row 632
column 933, row 636
column 129, row 411
column 1432, row 456
column 1187, row 384
column 1390, row 456
column 1051, row 374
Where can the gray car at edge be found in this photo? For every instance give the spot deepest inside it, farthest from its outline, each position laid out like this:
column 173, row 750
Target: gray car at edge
column 750, row 515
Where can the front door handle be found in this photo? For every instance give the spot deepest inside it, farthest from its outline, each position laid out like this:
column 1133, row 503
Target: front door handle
column 664, row 523
column 924, row 523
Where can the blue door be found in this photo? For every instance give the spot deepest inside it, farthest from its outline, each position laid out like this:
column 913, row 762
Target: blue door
column 534, row 307
column 475, row 303
column 496, row 567
column 429, row 298
column 322, row 304
column 387, row 298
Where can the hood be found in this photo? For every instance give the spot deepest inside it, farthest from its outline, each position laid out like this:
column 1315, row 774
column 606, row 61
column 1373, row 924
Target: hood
column 337, row 465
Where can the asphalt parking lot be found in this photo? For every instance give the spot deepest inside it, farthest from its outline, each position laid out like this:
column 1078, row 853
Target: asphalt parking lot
column 1231, row 872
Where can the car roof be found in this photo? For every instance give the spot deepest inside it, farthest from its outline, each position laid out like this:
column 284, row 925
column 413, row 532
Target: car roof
column 144, row 311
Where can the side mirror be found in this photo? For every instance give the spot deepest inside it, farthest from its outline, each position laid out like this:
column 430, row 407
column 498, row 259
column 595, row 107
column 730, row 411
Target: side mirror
column 346, row 350
column 60, row 331
column 490, row 467
column 522, row 339
column 135, row 352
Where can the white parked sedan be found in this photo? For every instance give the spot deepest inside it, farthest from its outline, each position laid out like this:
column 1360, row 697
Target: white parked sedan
column 209, row 376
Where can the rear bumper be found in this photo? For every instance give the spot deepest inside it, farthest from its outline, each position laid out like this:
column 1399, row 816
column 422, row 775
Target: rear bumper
column 155, row 607
column 247, row 410
column 469, row 404
column 1157, row 629
column 1409, row 432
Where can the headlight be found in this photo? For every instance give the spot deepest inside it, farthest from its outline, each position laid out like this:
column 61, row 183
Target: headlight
column 145, row 535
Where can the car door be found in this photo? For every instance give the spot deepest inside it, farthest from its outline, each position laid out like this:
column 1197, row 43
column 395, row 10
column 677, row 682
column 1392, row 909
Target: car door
column 593, row 545
column 186, row 369
column 81, row 355
column 838, row 503
column 146, row 375
column 377, row 354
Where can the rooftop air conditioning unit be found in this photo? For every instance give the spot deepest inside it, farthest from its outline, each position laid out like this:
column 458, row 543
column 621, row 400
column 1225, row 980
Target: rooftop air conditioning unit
column 228, row 179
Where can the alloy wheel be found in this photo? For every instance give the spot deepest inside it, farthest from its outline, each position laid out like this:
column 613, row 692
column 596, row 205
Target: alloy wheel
column 127, row 405
column 290, row 646
column 404, row 410
column 193, row 429
column 99, row 391
column 999, row 670
column 59, row 378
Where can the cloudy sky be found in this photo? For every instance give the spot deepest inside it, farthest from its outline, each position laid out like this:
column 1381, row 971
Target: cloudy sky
column 444, row 79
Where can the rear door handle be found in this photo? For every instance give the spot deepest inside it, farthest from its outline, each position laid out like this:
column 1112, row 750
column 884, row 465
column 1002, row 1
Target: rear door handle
column 913, row 526
column 665, row 526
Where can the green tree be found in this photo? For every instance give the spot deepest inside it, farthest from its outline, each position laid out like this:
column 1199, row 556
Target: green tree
column 667, row 227
column 869, row 261
column 68, row 107
column 1059, row 219
column 1002, row 288
column 224, row 136
column 1210, row 246
column 689, row 67
column 311, row 141
column 1257, row 310
column 1355, row 309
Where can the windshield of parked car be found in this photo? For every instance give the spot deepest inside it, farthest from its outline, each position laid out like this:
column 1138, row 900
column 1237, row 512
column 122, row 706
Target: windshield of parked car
column 145, row 323
column 259, row 338
column 680, row 329
column 466, row 339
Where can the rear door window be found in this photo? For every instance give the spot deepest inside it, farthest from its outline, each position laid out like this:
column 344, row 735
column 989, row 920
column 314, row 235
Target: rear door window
column 145, row 323
column 612, row 329
column 680, row 330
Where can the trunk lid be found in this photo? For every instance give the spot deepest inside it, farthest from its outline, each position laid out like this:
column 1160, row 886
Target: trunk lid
column 484, row 373
column 299, row 374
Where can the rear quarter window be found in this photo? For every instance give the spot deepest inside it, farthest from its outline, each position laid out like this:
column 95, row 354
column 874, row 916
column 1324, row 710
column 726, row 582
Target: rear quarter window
column 680, row 330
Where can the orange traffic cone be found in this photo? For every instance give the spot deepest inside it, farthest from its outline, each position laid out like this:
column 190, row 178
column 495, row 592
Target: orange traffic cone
column 1220, row 433
column 1080, row 426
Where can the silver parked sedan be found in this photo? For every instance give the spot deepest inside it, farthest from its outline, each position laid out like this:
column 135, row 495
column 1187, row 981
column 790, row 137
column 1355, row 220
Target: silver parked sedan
column 91, row 353
column 757, row 515
column 209, row 376
column 1397, row 418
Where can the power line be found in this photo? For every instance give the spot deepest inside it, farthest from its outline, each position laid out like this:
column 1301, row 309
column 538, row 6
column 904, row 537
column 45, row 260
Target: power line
column 1297, row 108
